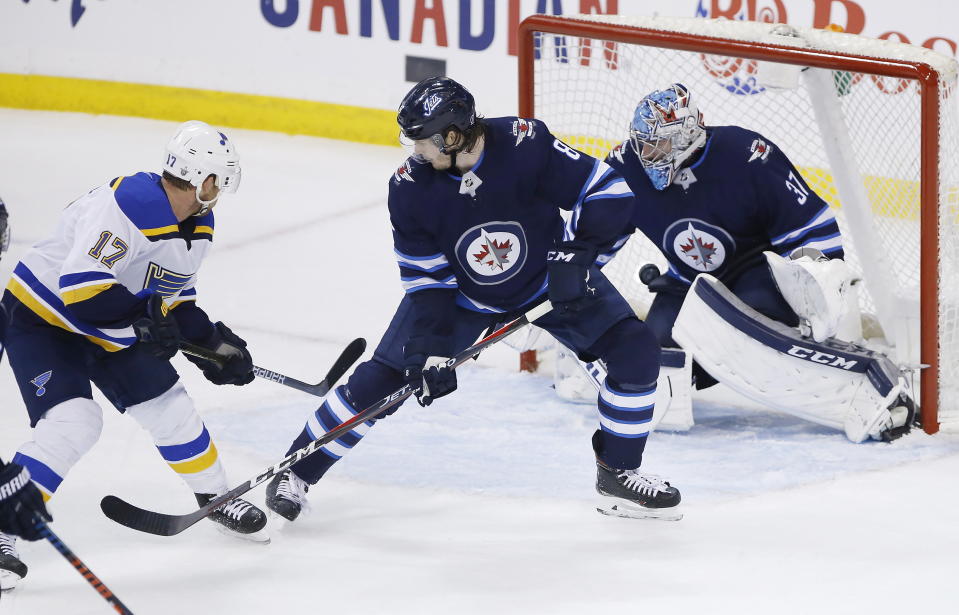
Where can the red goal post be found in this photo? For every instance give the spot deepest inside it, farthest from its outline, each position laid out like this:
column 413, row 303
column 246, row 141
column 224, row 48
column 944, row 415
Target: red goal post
column 874, row 132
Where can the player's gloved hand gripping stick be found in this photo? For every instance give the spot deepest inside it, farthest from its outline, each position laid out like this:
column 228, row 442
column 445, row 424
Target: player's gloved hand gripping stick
column 168, row 525
column 346, row 359
column 228, row 362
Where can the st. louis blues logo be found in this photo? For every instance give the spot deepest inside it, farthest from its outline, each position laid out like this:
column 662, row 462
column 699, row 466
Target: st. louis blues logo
column 522, row 129
column 41, row 382
column 403, row 173
column 493, row 252
column 430, row 103
column 163, row 281
column 699, row 245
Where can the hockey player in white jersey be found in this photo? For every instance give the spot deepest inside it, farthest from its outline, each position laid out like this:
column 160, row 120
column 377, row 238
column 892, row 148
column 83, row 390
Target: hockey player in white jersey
column 107, row 299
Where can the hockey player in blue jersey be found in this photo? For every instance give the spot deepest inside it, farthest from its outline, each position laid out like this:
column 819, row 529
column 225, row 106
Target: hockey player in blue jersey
column 478, row 238
column 726, row 204
column 20, row 500
column 106, row 300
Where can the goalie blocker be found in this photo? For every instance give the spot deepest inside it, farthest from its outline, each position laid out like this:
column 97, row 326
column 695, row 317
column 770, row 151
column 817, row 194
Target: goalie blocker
column 836, row 384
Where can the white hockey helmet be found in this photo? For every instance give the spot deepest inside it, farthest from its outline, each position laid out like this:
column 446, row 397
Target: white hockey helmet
column 196, row 151
column 667, row 128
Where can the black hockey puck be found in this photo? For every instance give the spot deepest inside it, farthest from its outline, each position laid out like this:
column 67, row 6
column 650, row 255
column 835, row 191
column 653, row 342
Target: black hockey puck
column 647, row 273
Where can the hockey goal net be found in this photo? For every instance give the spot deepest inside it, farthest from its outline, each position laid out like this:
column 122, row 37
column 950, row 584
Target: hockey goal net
column 871, row 124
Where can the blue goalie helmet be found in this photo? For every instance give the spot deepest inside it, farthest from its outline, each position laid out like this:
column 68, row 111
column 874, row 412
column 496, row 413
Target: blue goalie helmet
column 434, row 106
column 667, row 128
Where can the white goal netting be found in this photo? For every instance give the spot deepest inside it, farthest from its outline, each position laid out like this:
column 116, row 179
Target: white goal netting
column 853, row 133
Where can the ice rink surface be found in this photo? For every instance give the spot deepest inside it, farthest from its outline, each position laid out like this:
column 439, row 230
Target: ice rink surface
column 480, row 503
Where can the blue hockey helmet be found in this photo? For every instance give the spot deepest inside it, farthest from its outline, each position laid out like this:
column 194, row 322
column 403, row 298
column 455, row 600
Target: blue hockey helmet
column 433, row 107
column 667, row 128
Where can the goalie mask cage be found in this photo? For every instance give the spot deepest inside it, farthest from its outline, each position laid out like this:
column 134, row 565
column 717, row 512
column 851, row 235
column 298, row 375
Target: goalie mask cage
column 871, row 125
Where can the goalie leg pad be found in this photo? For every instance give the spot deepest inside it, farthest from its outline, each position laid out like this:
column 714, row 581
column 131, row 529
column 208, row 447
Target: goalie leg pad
column 836, row 384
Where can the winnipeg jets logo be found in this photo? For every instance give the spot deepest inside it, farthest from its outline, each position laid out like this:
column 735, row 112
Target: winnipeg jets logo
column 522, row 129
column 759, row 150
column 41, row 382
column 430, row 103
column 700, row 246
column 404, row 172
column 685, row 178
column 493, row 252
column 617, row 152
column 698, row 250
column 470, row 183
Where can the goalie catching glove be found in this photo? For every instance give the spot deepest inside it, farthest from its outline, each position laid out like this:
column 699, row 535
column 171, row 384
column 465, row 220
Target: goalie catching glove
column 568, row 268
column 237, row 365
column 426, row 373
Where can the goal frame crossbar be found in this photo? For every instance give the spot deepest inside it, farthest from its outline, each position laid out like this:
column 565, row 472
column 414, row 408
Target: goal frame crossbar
column 926, row 77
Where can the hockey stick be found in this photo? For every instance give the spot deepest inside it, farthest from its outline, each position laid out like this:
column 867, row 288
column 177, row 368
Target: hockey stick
column 80, row 567
column 346, row 359
column 168, row 525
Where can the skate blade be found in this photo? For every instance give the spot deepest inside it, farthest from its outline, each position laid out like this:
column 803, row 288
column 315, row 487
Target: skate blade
column 258, row 537
column 630, row 510
column 9, row 580
column 278, row 521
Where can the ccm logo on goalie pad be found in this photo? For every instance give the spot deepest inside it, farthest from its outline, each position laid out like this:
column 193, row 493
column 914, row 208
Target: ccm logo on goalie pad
column 821, row 357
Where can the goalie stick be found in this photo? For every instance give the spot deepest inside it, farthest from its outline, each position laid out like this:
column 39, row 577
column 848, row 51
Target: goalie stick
column 346, row 359
column 162, row 524
column 80, row 567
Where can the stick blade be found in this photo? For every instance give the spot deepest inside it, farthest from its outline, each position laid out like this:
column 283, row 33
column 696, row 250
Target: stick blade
column 147, row 521
column 347, row 358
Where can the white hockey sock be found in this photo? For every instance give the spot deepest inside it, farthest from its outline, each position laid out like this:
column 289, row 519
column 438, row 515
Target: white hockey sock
column 182, row 439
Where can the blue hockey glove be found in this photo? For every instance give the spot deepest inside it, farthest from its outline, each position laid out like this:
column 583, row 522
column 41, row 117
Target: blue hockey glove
column 20, row 503
column 425, row 372
column 568, row 267
column 238, row 364
column 157, row 329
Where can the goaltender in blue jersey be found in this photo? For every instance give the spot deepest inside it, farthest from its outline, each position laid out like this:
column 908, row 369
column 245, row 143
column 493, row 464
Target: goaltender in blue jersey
column 757, row 285
column 479, row 237
column 713, row 203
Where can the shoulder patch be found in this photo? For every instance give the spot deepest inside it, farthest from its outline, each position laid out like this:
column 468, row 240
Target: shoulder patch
column 617, row 152
column 404, row 173
column 759, row 150
column 522, row 129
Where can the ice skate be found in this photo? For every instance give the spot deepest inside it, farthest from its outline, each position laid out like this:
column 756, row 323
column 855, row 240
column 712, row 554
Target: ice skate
column 11, row 568
column 286, row 495
column 237, row 518
column 635, row 494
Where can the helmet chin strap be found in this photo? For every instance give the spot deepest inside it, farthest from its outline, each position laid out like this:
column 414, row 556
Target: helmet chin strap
column 204, row 205
column 449, row 149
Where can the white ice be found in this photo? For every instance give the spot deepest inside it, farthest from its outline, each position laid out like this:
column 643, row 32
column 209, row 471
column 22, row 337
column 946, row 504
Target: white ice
column 480, row 503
